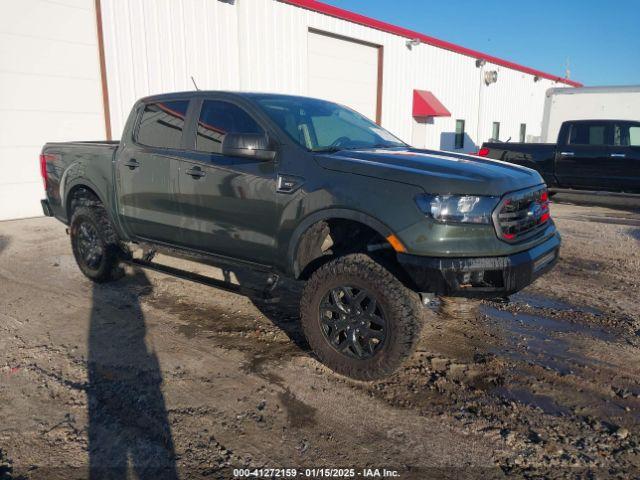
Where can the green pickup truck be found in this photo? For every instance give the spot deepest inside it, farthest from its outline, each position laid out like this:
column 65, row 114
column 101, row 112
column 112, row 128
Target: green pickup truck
column 305, row 189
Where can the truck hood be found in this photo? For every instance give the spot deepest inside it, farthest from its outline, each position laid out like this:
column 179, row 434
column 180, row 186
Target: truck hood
column 434, row 171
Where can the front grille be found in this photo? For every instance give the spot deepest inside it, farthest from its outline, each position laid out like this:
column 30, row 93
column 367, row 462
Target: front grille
column 521, row 215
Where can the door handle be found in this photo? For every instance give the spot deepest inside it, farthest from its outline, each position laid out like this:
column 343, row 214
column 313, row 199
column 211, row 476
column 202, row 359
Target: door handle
column 617, row 155
column 195, row 172
column 567, row 154
column 132, row 164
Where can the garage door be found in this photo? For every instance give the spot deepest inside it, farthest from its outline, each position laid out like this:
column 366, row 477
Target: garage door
column 344, row 71
column 50, row 90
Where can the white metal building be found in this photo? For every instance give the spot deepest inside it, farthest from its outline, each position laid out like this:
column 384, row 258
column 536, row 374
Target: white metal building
column 71, row 70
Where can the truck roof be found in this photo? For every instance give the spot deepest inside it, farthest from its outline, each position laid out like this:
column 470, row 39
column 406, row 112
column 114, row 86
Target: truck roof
column 202, row 93
column 605, row 89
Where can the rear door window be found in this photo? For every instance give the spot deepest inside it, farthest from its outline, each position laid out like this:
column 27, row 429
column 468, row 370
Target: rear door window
column 217, row 119
column 161, row 124
column 596, row 134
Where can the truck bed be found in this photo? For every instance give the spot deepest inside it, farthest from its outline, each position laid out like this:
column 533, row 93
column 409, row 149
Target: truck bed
column 538, row 156
column 65, row 162
column 91, row 143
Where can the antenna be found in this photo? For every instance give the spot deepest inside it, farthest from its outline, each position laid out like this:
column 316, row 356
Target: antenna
column 567, row 70
column 194, row 83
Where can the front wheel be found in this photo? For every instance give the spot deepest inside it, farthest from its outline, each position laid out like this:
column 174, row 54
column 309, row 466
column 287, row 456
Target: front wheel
column 359, row 319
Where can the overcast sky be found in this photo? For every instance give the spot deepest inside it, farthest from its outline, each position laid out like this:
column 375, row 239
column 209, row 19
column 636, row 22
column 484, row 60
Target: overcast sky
column 600, row 38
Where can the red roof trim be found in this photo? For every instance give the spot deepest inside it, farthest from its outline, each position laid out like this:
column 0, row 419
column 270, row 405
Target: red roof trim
column 405, row 32
column 425, row 104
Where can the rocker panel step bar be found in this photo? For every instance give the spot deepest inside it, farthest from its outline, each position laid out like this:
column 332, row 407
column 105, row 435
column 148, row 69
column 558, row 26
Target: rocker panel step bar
column 263, row 295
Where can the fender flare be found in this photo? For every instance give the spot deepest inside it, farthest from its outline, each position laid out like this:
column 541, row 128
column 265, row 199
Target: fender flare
column 82, row 182
column 76, row 183
column 328, row 214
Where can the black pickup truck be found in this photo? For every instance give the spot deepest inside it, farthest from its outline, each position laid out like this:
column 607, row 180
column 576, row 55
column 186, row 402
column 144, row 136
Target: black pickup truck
column 592, row 155
column 309, row 190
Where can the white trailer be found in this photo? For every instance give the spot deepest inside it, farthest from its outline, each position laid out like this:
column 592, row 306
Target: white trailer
column 588, row 103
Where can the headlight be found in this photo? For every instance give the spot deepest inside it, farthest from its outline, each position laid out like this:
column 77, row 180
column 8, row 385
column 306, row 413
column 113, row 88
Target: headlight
column 457, row 208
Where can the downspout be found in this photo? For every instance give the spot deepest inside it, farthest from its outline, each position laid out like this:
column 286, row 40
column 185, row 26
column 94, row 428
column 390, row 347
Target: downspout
column 103, row 71
column 478, row 142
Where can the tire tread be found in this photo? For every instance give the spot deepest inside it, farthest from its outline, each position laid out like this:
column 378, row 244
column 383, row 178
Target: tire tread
column 405, row 306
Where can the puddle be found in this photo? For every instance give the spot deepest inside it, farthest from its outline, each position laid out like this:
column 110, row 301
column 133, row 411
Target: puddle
column 544, row 402
column 544, row 341
column 539, row 301
column 532, row 322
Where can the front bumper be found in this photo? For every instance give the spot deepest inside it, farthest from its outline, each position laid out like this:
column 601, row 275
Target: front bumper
column 483, row 277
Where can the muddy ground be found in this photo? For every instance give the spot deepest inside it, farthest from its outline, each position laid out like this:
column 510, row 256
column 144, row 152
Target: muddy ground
column 163, row 378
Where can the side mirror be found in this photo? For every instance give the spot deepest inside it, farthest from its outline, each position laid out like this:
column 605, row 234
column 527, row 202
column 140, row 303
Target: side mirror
column 248, row 145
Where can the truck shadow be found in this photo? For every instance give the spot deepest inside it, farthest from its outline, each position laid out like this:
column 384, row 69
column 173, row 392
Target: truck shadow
column 284, row 312
column 128, row 424
column 4, row 243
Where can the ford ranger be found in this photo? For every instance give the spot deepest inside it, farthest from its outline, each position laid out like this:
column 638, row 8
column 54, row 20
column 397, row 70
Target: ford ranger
column 310, row 190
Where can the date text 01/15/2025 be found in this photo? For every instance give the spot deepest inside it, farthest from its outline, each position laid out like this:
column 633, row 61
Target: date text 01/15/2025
column 315, row 473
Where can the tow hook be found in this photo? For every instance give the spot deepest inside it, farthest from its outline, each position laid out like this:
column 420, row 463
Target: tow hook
column 427, row 298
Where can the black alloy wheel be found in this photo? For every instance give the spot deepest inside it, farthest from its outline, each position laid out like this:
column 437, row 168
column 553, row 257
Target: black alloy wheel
column 352, row 321
column 359, row 318
column 89, row 245
column 95, row 244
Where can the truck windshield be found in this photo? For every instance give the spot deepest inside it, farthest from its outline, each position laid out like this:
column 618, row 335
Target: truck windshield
column 322, row 126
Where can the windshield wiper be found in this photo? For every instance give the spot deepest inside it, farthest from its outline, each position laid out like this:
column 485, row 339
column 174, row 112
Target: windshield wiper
column 359, row 147
column 328, row 149
column 387, row 145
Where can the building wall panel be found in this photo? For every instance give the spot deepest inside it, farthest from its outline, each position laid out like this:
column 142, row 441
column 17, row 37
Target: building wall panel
column 49, row 91
column 156, row 46
column 262, row 45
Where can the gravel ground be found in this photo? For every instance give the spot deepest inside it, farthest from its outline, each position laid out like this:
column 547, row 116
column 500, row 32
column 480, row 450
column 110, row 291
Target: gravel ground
column 156, row 377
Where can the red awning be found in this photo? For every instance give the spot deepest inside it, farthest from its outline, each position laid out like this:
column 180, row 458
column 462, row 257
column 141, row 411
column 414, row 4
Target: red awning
column 425, row 104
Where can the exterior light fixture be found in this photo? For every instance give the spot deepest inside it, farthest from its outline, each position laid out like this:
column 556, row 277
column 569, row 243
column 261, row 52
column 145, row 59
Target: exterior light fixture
column 414, row 42
column 490, row 77
column 480, row 62
column 536, row 78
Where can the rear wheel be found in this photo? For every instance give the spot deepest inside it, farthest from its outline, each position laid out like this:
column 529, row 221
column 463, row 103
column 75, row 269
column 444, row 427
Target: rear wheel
column 359, row 319
column 95, row 244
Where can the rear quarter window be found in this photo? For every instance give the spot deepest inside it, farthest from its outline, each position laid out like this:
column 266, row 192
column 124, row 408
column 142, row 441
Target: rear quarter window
column 626, row 135
column 634, row 136
column 161, row 124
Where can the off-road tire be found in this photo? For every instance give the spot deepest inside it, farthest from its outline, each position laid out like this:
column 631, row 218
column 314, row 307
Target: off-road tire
column 402, row 308
column 93, row 215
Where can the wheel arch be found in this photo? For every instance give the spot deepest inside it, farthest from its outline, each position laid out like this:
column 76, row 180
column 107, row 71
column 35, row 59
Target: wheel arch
column 83, row 185
column 305, row 237
column 77, row 189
